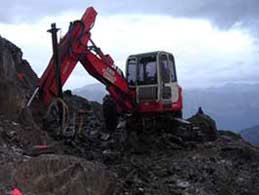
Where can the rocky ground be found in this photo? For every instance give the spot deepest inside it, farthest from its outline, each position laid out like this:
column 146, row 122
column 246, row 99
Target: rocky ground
column 159, row 161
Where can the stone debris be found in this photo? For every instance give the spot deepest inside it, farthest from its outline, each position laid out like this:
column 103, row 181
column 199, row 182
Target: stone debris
column 57, row 174
column 194, row 159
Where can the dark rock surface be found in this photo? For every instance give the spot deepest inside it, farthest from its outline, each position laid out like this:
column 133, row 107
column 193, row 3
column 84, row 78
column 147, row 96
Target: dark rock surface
column 20, row 137
column 181, row 160
column 57, row 175
column 17, row 79
column 225, row 166
column 161, row 163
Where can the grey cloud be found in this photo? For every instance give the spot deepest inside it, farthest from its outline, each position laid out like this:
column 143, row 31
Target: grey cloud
column 224, row 13
column 217, row 73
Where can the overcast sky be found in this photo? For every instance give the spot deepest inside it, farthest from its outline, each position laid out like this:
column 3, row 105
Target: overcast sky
column 213, row 41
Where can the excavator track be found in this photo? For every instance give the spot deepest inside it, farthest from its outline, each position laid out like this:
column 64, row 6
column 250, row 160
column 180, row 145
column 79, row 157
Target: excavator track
column 199, row 128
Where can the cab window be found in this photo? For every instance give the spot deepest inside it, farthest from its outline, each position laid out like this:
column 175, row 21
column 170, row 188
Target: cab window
column 173, row 72
column 132, row 72
column 147, row 71
column 165, row 70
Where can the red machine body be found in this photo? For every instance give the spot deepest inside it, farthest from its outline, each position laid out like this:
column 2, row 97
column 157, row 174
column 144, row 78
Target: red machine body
column 77, row 46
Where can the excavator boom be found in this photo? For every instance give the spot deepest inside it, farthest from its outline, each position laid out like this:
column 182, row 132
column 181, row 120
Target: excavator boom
column 75, row 47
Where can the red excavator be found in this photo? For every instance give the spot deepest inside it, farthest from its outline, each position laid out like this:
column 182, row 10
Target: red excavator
column 149, row 90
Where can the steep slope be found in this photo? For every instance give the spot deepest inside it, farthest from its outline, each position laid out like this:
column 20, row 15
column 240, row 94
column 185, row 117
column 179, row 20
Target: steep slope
column 17, row 79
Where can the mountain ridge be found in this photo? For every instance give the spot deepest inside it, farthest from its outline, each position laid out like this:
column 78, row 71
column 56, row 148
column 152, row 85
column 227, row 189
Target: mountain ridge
column 233, row 106
column 251, row 135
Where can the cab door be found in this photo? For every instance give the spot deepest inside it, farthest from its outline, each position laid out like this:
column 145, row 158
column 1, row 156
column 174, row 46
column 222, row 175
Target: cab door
column 165, row 87
column 168, row 81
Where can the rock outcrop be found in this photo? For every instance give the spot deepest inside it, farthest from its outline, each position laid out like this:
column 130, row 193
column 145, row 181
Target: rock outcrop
column 57, row 175
column 17, row 79
column 20, row 136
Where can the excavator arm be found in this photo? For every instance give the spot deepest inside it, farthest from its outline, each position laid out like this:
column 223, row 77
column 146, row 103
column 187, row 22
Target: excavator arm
column 77, row 46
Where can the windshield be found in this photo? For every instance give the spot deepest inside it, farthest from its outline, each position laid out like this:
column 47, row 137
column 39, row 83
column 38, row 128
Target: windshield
column 147, row 71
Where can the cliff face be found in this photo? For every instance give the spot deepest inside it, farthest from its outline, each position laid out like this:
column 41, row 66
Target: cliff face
column 17, row 79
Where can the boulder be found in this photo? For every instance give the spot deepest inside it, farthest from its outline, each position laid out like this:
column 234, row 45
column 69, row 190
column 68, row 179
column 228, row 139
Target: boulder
column 58, row 175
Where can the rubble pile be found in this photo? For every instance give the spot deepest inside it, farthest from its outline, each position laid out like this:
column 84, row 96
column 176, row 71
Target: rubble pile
column 158, row 162
column 226, row 166
column 191, row 159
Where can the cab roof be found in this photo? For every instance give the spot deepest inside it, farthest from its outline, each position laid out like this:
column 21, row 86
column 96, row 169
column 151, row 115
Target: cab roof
column 154, row 53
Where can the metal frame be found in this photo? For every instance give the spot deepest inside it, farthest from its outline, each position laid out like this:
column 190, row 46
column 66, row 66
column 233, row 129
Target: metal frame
column 74, row 48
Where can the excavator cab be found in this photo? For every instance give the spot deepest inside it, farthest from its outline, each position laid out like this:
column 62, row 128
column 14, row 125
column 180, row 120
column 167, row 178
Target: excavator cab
column 153, row 76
